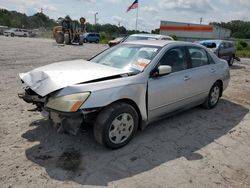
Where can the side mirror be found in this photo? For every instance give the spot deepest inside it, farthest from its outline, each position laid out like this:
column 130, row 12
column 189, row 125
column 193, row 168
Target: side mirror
column 163, row 70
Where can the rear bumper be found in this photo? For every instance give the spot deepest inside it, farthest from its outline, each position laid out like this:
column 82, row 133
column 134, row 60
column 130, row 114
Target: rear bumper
column 226, row 80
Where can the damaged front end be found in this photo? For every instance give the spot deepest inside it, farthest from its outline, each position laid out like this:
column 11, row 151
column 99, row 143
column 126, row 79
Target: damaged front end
column 64, row 112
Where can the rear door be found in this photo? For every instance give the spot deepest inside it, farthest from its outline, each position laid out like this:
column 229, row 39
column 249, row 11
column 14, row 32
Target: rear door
column 91, row 37
column 203, row 73
column 223, row 51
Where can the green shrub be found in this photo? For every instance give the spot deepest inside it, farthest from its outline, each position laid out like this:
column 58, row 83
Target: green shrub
column 243, row 43
column 239, row 46
column 104, row 41
column 174, row 37
column 103, row 36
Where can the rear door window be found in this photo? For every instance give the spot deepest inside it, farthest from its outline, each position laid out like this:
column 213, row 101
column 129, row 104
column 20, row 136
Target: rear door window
column 198, row 57
column 227, row 45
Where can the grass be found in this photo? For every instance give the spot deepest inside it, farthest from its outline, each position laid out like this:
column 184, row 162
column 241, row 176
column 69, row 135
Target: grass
column 243, row 52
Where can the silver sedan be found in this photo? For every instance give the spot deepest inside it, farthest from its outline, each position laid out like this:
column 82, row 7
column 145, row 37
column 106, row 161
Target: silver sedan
column 126, row 87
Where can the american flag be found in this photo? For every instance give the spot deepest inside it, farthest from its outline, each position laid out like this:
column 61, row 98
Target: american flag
column 133, row 6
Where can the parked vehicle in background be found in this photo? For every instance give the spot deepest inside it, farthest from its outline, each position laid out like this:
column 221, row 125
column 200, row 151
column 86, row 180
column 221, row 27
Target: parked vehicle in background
column 126, row 87
column 223, row 49
column 115, row 41
column 147, row 37
column 16, row 32
column 91, row 37
column 2, row 29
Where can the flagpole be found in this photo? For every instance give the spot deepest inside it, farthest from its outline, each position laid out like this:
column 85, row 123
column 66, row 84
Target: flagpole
column 136, row 21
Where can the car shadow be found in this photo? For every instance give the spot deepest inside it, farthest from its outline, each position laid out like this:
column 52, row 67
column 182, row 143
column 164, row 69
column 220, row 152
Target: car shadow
column 80, row 159
column 237, row 66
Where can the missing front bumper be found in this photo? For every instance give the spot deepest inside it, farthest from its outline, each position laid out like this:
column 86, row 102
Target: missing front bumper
column 66, row 122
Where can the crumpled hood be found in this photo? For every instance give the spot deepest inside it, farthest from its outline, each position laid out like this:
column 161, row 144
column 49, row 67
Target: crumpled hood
column 49, row 78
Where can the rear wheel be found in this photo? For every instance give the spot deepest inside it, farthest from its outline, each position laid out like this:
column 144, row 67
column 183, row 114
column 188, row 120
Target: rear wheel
column 97, row 41
column 213, row 96
column 231, row 61
column 116, row 125
column 66, row 38
column 85, row 40
column 25, row 35
column 12, row 34
column 81, row 41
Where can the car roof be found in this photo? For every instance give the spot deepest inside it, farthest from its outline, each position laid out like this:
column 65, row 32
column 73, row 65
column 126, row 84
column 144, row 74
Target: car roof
column 215, row 41
column 159, row 43
column 148, row 35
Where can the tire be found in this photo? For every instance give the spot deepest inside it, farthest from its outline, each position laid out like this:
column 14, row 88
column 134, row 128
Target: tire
column 59, row 36
column 85, row 40
column 67, row 39
column 12, row 34
column 213, row 96
column 25, row 35
column 97, row 41
column 116, row 125
column 231, row 61
column 80, row 41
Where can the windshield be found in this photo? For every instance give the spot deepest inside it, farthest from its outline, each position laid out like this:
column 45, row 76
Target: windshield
column 134, row 58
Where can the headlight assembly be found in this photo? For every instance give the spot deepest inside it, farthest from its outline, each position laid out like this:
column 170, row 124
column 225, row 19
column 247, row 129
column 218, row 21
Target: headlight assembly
column 68, row 103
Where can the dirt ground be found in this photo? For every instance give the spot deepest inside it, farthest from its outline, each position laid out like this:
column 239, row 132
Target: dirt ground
column 197, row 148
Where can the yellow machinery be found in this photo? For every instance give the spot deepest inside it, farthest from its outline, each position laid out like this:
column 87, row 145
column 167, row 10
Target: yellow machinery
column 69, row 31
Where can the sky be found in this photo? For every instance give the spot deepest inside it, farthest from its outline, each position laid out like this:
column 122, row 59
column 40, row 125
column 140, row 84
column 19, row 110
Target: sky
column 150, row 11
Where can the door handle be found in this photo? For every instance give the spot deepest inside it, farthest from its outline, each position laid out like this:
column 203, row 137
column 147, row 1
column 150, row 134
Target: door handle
column 186, row 78
column 212, row 70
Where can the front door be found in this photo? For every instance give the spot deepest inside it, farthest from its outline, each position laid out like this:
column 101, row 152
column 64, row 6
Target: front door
column 169, row 92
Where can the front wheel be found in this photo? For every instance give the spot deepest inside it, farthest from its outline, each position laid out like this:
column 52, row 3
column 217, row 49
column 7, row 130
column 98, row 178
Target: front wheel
column 213, row 96
column 59, row 36
column 116, row 125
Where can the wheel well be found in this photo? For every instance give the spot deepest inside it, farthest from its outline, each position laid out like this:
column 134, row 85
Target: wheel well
column 133, row 104
column 221, row 86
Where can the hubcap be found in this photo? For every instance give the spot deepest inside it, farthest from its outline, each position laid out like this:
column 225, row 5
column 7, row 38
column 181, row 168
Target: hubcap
column 121, row 128
column 215, row 94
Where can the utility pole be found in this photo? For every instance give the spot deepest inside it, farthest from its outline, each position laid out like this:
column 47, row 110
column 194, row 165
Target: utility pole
column 41, row 10
column 200, row 24
column 96, row 18
column 136, row 22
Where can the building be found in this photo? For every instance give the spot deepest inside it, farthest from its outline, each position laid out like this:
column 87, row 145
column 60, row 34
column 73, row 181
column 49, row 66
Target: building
column 193, row 32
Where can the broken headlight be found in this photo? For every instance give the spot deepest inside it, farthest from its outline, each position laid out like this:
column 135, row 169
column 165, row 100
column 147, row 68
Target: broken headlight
column 68, row 103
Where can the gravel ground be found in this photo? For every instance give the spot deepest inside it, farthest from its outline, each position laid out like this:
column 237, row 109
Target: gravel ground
column 197, row 148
